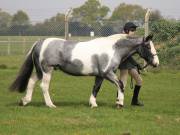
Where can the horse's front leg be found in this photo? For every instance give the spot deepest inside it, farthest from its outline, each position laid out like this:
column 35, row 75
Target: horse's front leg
column 111, row 76
column 97, row 86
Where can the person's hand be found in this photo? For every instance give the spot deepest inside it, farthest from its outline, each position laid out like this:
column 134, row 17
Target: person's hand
column 139, row 67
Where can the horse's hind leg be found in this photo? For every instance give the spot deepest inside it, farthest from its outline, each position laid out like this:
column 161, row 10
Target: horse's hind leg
column 27, row 99
column 45, row 88
column 97, row 85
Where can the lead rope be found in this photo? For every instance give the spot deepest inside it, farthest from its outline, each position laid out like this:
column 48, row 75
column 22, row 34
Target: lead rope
column 131, row 83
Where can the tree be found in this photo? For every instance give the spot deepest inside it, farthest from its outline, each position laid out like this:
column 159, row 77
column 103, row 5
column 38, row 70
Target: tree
column 90, row 12
column 165, row 30
column 90, row 17
column 19, row 23
column 128, row 12
column 55, row 25
column 155, row 16
column 20, row 18
column 5, row 19
column 51, row 26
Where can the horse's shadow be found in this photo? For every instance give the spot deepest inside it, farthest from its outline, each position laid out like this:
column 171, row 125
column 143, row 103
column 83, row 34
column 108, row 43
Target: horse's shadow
column 16, row 104
column 60, row 104
column 77, row 104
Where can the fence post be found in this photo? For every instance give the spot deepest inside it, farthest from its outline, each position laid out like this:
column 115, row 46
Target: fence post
column 146, row 27
column 24, row 45
column 9, row 47
column 67, row 23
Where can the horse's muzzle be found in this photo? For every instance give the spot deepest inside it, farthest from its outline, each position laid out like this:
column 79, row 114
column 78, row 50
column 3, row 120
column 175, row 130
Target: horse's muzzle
column 155, row 65
column 155, row 61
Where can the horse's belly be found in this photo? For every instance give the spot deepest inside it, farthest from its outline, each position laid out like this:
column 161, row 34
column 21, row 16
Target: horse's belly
column 77, row 68
column 83, row 65
column 92, row 65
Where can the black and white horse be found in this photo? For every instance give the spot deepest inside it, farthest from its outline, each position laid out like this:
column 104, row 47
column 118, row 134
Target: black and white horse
column 99, row 57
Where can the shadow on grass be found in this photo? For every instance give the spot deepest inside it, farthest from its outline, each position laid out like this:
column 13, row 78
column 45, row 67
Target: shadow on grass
column 79, row 103
column 62, row 104
column 36, row 104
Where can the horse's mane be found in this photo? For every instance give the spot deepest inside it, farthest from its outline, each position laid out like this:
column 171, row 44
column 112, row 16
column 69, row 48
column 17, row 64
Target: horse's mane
column 123, row 37
column 128, row 41
column 118, row 36
column 135, row 39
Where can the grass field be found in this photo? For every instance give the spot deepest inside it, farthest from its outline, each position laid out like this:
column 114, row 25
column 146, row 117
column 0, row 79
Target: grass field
column 73, row 116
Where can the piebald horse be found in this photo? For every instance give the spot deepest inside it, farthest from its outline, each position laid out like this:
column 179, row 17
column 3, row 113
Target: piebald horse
column 99, row 57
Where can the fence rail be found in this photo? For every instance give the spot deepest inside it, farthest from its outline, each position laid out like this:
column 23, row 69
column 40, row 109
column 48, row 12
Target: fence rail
column 19, row 45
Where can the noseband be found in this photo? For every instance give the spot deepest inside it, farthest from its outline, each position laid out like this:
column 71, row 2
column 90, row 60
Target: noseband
column 154, row 54
column 147, row 63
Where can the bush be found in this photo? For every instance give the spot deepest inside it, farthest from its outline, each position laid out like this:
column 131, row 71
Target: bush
column 170, row 56
column 165, row 30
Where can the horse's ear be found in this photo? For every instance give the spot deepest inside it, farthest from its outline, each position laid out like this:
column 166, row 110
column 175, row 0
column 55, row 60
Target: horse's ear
column 149, row 37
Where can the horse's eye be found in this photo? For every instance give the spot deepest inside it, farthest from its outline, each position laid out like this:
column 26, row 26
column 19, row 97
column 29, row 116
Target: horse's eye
column 149, row 47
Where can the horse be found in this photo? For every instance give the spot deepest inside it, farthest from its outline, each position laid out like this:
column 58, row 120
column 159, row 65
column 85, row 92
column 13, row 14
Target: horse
column 98, row 57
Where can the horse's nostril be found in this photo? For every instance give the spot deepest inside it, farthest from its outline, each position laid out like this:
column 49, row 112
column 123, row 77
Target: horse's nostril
column 155, row 65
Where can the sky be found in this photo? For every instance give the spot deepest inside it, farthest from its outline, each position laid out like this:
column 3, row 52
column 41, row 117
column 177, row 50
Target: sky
column 38, row 10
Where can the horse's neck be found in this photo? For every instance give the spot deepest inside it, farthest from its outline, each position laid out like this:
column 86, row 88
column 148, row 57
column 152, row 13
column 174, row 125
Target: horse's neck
column 128, row 54
column 126, row 51
column 129, row 44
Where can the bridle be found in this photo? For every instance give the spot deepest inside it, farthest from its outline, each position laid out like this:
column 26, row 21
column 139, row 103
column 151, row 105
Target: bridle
column 147, row 63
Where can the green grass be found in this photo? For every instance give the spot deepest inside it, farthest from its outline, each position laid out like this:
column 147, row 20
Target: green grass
column 73, row 116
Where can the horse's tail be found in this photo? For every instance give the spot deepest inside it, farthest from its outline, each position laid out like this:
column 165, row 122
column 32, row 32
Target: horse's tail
column 22, row 79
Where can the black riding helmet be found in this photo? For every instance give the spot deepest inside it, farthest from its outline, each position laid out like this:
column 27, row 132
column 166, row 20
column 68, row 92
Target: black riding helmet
column 129, row 26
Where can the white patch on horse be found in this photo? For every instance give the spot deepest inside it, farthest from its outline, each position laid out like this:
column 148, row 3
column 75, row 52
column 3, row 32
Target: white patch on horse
column 153, row 51
column 120, row 98
column 30, row 88
column 45, row 88
column 45, row 45
column 83, row 51
column 92, row 101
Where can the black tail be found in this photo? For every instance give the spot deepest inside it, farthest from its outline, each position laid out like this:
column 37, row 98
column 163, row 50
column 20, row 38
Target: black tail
column 22, row 79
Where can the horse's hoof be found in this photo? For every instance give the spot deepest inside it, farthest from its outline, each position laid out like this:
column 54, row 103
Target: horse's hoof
column 51, row 106
column 21, row 103
column 118, row 106
column 94, row 106
column 92, row 102
column 24, row 102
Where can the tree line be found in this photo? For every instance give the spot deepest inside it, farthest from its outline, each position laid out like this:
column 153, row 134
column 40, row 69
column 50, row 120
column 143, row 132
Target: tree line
column 91, row 16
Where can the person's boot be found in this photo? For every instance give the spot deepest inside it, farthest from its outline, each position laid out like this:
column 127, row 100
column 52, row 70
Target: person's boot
column 135, row 100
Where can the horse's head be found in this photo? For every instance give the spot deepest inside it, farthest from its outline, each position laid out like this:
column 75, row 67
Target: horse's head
column 147, row 51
